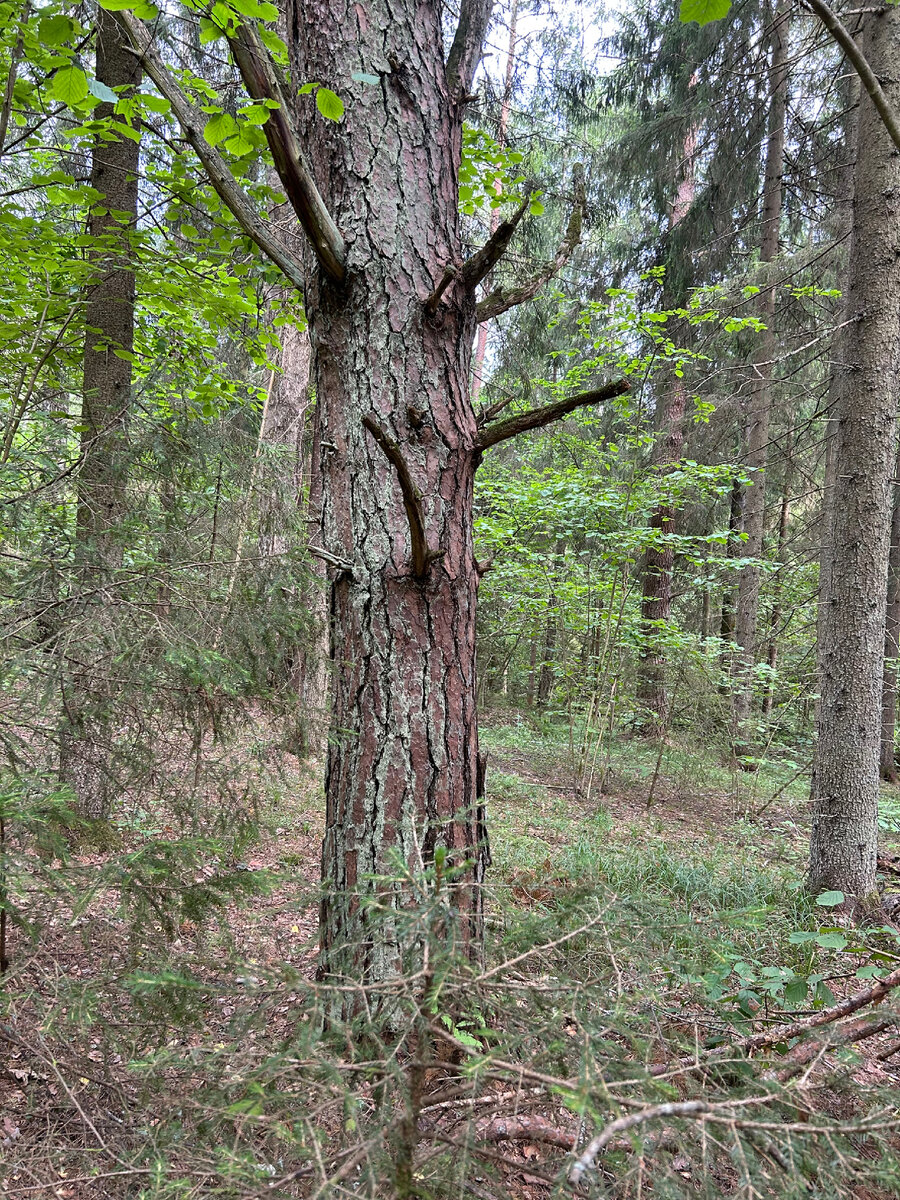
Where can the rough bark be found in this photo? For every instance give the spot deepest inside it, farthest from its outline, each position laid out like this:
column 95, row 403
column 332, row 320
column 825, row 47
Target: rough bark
column 760, row 400
column 402, row 763
column 101, row 496
column 845, row 782
column 891, row 643
column 839, row 380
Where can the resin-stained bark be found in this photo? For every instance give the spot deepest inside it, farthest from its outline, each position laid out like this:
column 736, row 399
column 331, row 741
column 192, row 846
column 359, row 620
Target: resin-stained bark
column 402, row 766
column 845, row 783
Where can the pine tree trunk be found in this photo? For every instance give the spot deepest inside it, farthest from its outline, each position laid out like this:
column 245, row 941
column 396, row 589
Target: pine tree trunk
column 402, row 769
column 845, row 782
column 760, row 403
column 101, row 496
column 891, row 643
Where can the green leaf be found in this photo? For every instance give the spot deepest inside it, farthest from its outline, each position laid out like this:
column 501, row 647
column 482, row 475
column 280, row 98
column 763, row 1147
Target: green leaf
column 830, row 899
column 241, row 143
column 255, row 114
column 218, row 128
column 329, row 104
column 307, row 88
column 69, row 86
column 831, row 941
column 118, row 5
column 259, row 9
column 99, row 89
column 703, row 11
column 157, row 104
column 53, row 31
column 795, row 992
column 273, row 44
column 209, row 31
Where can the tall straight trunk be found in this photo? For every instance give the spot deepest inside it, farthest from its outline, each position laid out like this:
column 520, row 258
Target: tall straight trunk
column 845, row 781
column 840, row 373
column 656, row 595
column 778, row 584
column 101, row 495
column 891, row 642
column 546, row 674
column 659, row 560
column 760, row 402
column 505, row 106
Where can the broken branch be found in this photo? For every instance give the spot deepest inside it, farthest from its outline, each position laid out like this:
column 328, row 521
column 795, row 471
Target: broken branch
column 480, row 264
column 468, row 43
column 844, row 38
column 340, row 564
column 538, row 417
column 422, row 556
column 500, row 299
column 192, row 123
column 260, row 79
column 850, row 1004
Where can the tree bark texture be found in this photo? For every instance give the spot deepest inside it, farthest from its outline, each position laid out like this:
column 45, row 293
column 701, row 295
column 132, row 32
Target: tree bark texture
column 760, row 401
column 401, row 776
column 840, row 374
column 102, row 504
column 845, row 781
column 891, row 643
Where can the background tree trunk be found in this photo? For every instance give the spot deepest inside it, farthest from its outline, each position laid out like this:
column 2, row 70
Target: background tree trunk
column 891, row 642
column 760, row 403
column 845, row 781
column 656, row 595
column 659, row 561
column 101, row 496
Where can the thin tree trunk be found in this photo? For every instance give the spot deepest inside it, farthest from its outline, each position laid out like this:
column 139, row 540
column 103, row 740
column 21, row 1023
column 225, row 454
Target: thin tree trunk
column 891, row 642
column 760, row 403
column 656, row 597
column 547, row 673
column 845, row 781
column 506, row 103
column 778, row 583
column 101, row 495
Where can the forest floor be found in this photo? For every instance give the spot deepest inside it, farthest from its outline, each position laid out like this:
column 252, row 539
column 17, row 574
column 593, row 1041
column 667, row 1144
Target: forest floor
column 709, row 875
